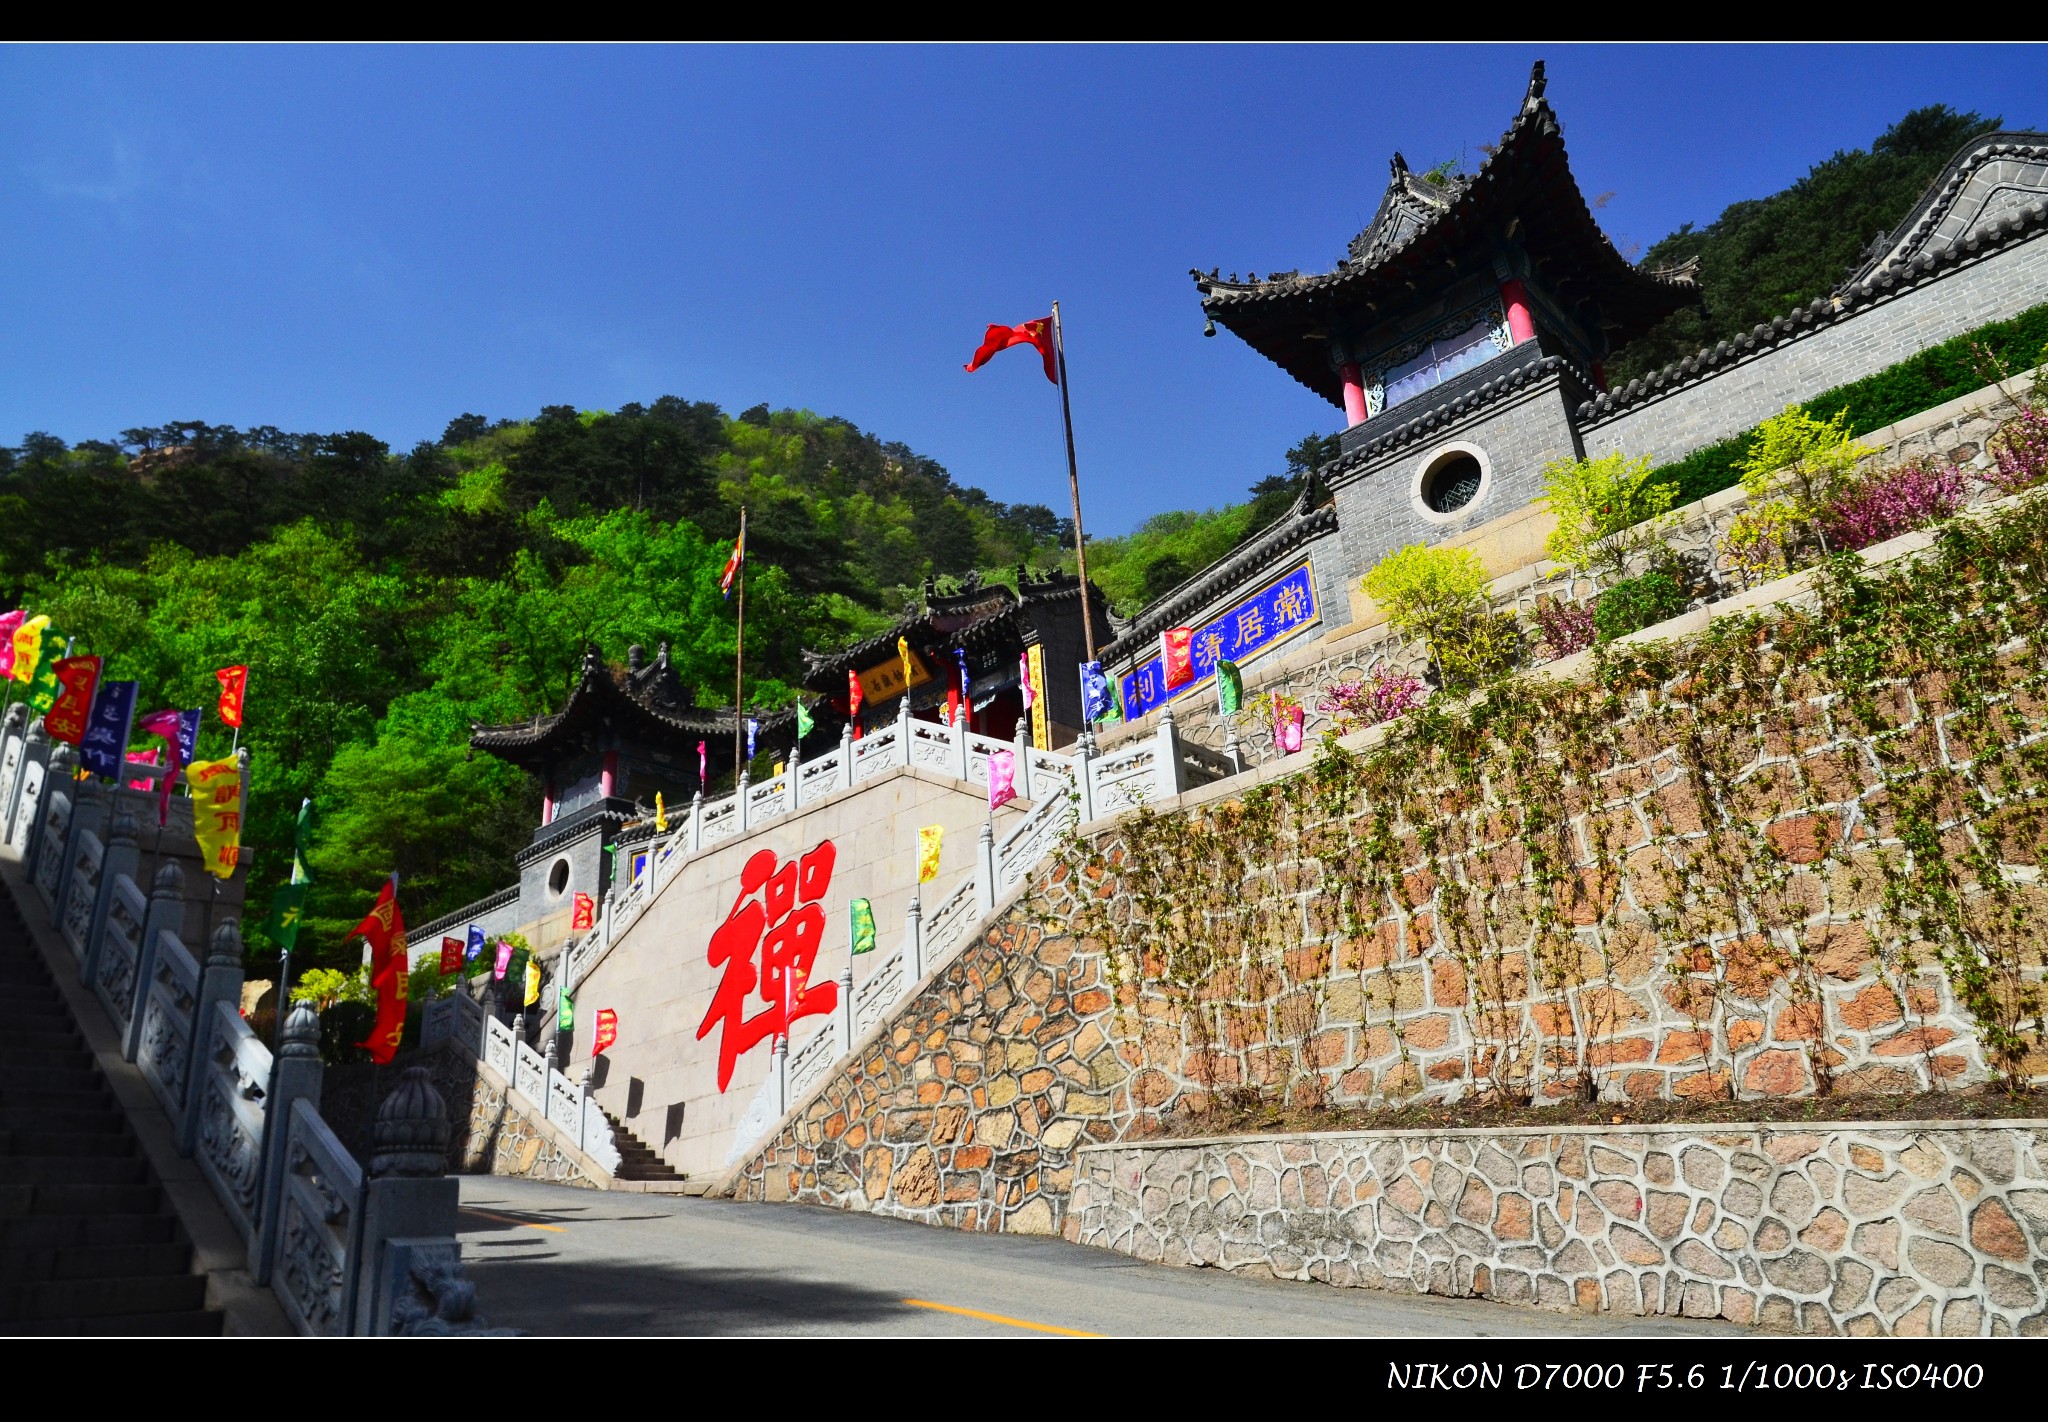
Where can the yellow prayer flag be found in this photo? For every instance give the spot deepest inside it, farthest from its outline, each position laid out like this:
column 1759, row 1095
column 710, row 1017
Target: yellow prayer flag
column 902, row 650
column 928, row 852
column 217, row 813
column 660, row 815
column 28, row 647
column 532, row 981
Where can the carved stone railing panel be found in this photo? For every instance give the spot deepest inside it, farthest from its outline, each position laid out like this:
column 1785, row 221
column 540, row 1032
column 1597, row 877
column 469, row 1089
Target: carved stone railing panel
column 565, row 1103
column 931, row 747
column 321, row 1223
column 947, row 925
column 231, row 1109
column 722, row 820
column 876, row 754
column 81, row 892
column 121, row 953
column 1019, row 851
column 1125, row 780
column 165, row 1051
column 598, row 1141
column 498, row 1047
column 815, row 779
column 529, row 1073
column 809, row 1062
column 767, row 800
column 873, row 998
column 49, row 867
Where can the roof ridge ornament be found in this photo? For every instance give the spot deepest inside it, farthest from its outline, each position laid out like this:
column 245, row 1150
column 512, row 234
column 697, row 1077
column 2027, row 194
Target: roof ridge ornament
column 1537, row 84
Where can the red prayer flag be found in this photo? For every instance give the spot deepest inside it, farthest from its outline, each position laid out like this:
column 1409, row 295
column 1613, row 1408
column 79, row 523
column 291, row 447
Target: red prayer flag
column 166, row 724
column 451, row 957
column 384, row 926
column 66, row 718
column 853, row 698
column 234, row 683
column 607, row 1029
column 1032, row 333
column 732, row 564
column 585, row 914
column 1173, row 646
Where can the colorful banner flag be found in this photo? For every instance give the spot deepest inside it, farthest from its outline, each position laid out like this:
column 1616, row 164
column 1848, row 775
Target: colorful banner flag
column 1032, row 333
column 234, row 685
column 607, row 1030
column 966, row 678
column 532, row 981
column 451, row 957
column 188, row 736
column 148, row 757
column 862, row 926
column 903, row 651
column 1094, row 692
column 1002, row 778
column 287, row 907
column 1229, row 688
column 217, row 813
column 504, row 960
column 165, row 724
column 476, row 945
column 43, row 686
column 77, row 679
column 583, row 915
column 853, row 700
column 565, row 1008
column 1287, row 723
column 1174, row 652
column 1041, row 714
column 928, row 852
column 384, row 926
column 302, row 843
column 805, row 722
column 732, row 564
column 953, row 706
column 27, row 647
column 10, row 623
column 660, row 814
column 753, row 729
column 702, row 779
column 106, row 734
column 1024, row 678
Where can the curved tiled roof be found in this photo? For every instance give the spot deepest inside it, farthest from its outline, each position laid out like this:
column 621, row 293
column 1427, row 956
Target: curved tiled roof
column 1907, row 262
column 1427, row 422
column 1298, row 526
column 962, row 618
column 1421, row 232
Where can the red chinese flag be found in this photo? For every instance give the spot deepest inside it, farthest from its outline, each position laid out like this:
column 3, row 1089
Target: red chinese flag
column 585, row 914
column 384, row 926
column 1173, row 646
column 451, row 957
column 66, row 718
column 234, row 681
column 1031, row 333
column 607, row 1029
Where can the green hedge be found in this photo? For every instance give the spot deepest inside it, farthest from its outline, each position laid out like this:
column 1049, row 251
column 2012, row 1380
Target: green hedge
column 1933, row 377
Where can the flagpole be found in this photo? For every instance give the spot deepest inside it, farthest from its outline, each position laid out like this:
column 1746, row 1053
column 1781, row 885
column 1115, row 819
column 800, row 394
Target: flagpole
column 739, row 657
column 1059, row 345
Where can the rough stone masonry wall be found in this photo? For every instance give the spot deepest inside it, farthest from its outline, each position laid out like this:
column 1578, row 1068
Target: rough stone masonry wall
column 1908, row 1229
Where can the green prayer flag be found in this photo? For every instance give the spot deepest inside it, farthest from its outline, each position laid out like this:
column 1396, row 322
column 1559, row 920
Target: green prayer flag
column 43, row 687
column 803, row 720
column 1116, row 700
column 287, row 905
column 863, row 926
column 302, row 843
column 1229, row 687
column 565, row 1008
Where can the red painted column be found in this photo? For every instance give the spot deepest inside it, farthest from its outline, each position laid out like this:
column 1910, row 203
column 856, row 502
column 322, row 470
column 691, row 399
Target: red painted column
column 1354, row 395
column 547, row 804
column 1516, row 298
column 611, row 773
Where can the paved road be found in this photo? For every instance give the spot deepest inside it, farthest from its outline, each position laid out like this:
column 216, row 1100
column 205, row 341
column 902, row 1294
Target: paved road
column 553, row 1260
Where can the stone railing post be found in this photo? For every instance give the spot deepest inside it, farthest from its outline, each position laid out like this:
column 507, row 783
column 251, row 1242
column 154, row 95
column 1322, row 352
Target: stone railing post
column 792, row 777
column 88, row 810
column 13, row 737
column 1021, row 749
column 409, row 1193
column 781, row 1074
column 220, row 980
column 846, row 1008
column 963, row 758
column 846, row 757
column 294, row 1076
column 1166, row 760
column 1084, row 775
column 697, row 821
column 741, row 809
column 31, row 780
column 123, row 856
column 166, row 914
column 903, row 730
column 913, row 944
column 63, row 763
column 1233, row 748
column 985, row 866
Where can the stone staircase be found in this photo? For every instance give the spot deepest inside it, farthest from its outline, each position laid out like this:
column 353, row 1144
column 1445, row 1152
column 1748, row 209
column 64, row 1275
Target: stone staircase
column 640, row 1169
column 88, row 1243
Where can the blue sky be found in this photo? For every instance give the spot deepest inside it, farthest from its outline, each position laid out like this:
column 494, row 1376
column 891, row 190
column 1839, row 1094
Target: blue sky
column 383, row 238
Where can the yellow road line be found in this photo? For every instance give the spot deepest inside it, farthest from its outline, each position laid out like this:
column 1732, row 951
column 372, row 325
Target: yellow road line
column 999, row 1318
column 507, row 1219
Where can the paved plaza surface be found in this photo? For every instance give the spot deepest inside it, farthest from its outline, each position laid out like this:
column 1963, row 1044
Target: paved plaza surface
column 550, row 1259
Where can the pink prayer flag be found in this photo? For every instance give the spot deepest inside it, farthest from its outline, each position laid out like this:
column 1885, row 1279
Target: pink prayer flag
column 10, row 623
column 1024, row 678
column 147, row 757
column 504, row 959
column 700, row 764
column 1287, row 722
column 1002, row 778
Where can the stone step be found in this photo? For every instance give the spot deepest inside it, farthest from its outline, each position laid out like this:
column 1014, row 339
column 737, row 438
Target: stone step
column 91, row 1298
column 186, row 1323
column 74, row 1170
column 96, row 1098
column 86, row 1231
column 81, row 1199
column 97, row 1120
column 95, row 1261
column 23, row 1145
column 65, row 1076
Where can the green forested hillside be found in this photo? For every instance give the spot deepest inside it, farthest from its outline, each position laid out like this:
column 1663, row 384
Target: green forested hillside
column 383, row 601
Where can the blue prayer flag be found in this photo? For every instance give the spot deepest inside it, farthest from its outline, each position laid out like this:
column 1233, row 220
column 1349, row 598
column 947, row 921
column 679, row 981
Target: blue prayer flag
column 103, row 748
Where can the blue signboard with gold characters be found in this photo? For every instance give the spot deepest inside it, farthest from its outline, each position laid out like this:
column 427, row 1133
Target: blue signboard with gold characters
column 1271, row 615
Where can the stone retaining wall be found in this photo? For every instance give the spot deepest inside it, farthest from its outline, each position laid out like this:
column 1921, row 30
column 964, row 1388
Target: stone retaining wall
column 1908, row 1229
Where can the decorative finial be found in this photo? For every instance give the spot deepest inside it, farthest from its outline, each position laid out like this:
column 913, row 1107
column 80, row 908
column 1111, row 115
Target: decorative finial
column 126, row 829
column 1536, row 85
column 1399, row 165
column 169, row 881
column 411, row 1134
column 17, row 715
column 37, row 735
column 226, row 947
column 301, row 1032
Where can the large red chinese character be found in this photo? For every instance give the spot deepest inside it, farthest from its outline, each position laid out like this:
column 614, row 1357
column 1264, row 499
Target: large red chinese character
column 777, row 914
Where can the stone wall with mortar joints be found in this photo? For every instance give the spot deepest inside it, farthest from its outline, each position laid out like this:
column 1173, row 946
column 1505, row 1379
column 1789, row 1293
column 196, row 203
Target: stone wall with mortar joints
column 1905, row 1229
column 1732, row 400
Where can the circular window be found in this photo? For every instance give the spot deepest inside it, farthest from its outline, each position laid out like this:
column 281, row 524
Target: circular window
column 1450, row 480
column 558, row 877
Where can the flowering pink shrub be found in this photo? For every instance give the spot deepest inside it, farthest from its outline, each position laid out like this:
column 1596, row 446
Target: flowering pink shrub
column 1566, row 627
column 1379, row 696
column 2020, row 451
column 1885, row 503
